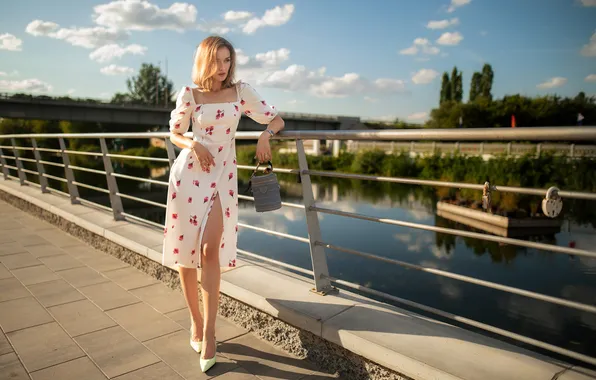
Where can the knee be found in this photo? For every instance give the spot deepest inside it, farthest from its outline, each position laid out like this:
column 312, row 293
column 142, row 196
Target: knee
column 210, row 252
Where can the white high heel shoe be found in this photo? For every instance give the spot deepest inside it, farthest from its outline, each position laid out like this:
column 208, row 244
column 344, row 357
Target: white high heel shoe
column 197, row 346
column 208, row 363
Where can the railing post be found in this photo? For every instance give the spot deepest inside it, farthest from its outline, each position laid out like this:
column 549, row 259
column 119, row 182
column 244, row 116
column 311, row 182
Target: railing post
column 481, row 148
column 508, row 149
column 18, row 163
column 538, row 150
column 115, row 200
column 43, row 181
column 3, row 164
column 171, row 152
column 317, row 252
column 73, row 190
column 571, row 150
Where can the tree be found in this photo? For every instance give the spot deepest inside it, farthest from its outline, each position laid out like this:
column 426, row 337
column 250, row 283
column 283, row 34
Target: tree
column 486, row 82
column 445, row 88
column 149, row 87
column 475, row 89
column 457, row 89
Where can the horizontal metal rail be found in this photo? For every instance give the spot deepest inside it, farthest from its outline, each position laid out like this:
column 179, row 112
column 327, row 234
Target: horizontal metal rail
column 275, row 233
column 450, row 231
column 53, row 163
column 9, row 157
column 11, row 167
column 32, row 183
column 94, row 204
column 29, row 171
column 79, row 152
column 275, row 170
column 130, row 157
column 471, row 280
column 54, row 177
column 26, row 159
column 282, row 264
column 469, row 322
column 22, row 148
column 559, row 133
column 457, row 185
column 51, row 150
column 143, row 220
column 87, row 169
column 286, row 204
column 101, row 190
column 53, row 190
column 141, row 200
column 163, row 183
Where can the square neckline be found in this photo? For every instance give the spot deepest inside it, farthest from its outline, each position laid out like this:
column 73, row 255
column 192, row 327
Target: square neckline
column 206, row 104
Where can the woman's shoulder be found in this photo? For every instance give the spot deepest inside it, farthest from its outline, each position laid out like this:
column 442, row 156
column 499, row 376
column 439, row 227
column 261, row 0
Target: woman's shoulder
column 185, row 94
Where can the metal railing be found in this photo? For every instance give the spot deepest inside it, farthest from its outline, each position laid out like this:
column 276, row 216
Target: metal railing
column 320, row 272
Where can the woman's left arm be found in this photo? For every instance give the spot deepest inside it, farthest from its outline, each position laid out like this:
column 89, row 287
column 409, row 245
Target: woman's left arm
column 263, row 147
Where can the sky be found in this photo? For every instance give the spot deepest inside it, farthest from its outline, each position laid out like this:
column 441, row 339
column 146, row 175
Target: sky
column 376, row 59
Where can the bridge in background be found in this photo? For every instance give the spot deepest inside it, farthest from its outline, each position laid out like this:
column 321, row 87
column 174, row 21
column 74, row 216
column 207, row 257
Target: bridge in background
column 369, row 338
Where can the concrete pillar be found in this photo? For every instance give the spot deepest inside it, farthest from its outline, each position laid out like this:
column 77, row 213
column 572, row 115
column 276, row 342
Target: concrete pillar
column 316, row 147
column 336, row 147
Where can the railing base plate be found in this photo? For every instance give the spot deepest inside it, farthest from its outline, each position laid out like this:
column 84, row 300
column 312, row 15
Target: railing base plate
column 324, row 292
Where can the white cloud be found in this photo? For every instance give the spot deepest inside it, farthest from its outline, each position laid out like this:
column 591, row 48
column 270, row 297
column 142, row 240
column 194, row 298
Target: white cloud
column 109, row 52
column 71, row 91
column 90, row 38
column 421, row 45
column 41, row 28
column 294, row 102
column 424, row 76
column 233, row 16
column 272, row 17
column 216, row 27
column 591, row 78
column 28, row 85
column 456, row 4
column 3, row 74
column 442, row 24
column 116, row 70
column 589, row 50
column 273, row 57
column 10, row 42
column 418, row 116
column 370, row 99
column 258, row 67
column 552, row 83
column 589, row 3
column 142, row 15
column 450, row 39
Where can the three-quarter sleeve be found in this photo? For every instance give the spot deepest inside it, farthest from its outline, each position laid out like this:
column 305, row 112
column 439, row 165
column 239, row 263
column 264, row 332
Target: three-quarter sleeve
column 254, row 106
column 180, row 116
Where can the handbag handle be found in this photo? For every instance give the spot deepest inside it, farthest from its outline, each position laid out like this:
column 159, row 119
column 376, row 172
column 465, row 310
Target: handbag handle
column 269, row 169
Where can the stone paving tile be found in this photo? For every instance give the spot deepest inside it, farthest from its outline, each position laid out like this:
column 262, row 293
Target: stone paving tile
column 5, row 346
column 224, row 330
column 272, row 363
column 175, row 350
column 78, row 369
column 61, row 262
column 10, row 248
column 11, row 289
column 82, row 252
column 11, row 368
column 44, row 250
column 157, row 371
column 143, row 322
column 161, row 297
column 61, row 239
column 55, row 293
column 22, row 313
column 35, row 275
column 44, row 346
column 19, row 260
column 4, row 273
column 115, row 351
column 104, row 263
column 27, row 240
column 81, row 317
column 130, row 278
column 108, row 295
column 237, row 374
column 79, row 277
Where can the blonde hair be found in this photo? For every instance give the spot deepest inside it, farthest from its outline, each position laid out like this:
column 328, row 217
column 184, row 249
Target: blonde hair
column 205, row 63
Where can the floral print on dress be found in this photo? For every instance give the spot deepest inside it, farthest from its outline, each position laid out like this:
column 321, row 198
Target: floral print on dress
column 214, row 126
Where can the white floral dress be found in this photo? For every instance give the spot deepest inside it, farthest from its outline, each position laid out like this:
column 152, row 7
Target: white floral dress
column 191, row 191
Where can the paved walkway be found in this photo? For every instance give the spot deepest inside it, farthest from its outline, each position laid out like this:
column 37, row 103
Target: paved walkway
column 68, row 311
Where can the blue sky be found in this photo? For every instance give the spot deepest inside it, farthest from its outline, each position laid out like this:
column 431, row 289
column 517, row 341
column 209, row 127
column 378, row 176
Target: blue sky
column 377, row 59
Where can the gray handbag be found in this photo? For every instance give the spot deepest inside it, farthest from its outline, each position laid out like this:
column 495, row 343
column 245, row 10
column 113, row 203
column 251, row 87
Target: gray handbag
column 265, row 189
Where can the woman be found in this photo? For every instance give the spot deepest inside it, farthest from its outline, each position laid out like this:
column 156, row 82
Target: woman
column 202, row 208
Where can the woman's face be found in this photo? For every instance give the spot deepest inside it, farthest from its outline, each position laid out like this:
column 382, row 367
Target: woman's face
column 224, row 61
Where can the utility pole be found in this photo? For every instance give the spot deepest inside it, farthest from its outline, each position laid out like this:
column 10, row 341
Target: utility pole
column 165, row 100
column 157, row 84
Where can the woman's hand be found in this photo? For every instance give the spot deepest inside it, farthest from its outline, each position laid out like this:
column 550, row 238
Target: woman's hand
column 202, row 155
column 263, row 148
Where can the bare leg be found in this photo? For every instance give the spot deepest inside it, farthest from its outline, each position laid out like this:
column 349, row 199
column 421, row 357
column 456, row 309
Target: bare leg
column 188, row 280
column 211, row 276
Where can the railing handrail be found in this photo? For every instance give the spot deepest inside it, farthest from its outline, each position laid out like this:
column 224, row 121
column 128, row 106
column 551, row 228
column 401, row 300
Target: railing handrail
column 584, row 133
column 320, row 273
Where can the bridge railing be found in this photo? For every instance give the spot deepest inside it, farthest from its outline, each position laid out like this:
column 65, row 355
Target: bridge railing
column 323, row 281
